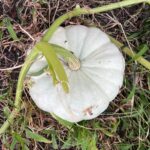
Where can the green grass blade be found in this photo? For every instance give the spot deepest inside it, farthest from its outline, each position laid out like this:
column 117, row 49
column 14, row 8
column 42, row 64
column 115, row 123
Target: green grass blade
column 18, row 138
column 36, row 137
column 3, row 96
column 131, row 94
column 14, row 142
column 143, row 49
column 9, row 26
column 21, row 140
column 62, row 122
column 54, row 63
column 1, row 32
column 54, row 141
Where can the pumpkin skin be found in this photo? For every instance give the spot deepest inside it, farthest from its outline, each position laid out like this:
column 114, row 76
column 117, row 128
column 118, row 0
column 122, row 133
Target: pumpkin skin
column 92, row 87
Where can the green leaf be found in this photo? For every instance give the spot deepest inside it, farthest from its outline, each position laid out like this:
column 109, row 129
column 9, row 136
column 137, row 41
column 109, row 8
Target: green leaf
column 62, row 122
column 36, row 137
column 92, row 143
column 85, row 139
column 60, row 51
column 21, row 140
column 9, row 26
column 2, row 96
column 14, row 142
column 54, row 141
column 125, row 146
column 131, row 94
column 1, row 32
column 55, row 66
column 68, row 143
column 143, row 48
column 6, row 111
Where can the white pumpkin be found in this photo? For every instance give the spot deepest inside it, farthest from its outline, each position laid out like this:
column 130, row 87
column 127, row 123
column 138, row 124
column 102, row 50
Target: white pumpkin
column 92, row 86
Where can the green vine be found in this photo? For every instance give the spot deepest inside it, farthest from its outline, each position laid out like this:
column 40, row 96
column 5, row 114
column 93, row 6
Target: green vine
column 34, row 53
column 130, row 53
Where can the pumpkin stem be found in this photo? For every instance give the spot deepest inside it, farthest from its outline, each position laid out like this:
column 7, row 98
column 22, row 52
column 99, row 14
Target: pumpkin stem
column 72, row 60
column 74, row 64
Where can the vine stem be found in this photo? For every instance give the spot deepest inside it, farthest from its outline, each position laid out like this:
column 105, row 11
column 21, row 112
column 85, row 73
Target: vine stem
column 130, row 53
column 82, row 11
column 17, row 104
column 34, row 53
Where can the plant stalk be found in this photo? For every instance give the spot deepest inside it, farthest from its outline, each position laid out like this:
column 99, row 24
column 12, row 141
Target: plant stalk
column 83, row 11
column 130, row 53
column 17, row 104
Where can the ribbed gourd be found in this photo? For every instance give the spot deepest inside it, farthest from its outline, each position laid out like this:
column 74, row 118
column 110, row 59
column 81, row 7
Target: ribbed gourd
column 92, row 85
